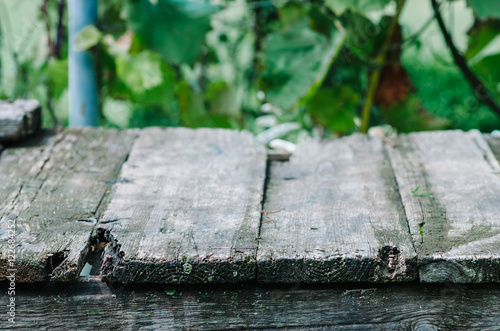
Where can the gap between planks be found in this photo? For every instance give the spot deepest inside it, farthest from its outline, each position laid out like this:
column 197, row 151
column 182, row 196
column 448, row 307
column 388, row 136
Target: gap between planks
column 452, row 270
column 449, row 271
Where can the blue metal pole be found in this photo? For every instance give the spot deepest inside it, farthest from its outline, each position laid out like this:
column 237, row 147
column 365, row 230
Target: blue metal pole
column 82, row 77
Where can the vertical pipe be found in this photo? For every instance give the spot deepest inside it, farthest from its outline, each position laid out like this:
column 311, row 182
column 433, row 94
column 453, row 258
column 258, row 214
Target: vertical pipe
column 82, row 77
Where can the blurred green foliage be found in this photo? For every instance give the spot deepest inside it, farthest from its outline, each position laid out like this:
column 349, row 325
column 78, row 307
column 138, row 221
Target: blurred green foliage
column 281, row 68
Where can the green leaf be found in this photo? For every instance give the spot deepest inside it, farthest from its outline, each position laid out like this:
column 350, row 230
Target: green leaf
column 194, row 114
column 148, row 77
column 363, row 37
column 485, row 8
column 297, row 60
column 223, row 99
column 191, row 104
column 291, row 13
column 334, row 108
column 175, row 29
column 87, row 38
column 56, row 75
column 230, row 61
column 489, row 71
column 480, row 36
column 117, row 112
column 152, row 116
column 141, row 71
column 340, row 6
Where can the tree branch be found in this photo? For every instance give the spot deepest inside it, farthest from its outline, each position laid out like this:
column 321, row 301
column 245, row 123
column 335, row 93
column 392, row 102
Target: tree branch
column 481, row 92
column 45, row 16
column 375, row 75
column 60, row 29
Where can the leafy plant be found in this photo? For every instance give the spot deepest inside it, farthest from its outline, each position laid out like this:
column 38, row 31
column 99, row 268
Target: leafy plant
column 282, row 69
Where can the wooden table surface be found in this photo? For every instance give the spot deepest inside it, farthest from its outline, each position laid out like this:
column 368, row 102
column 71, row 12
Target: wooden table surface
column 183, row 206
column 93, row 306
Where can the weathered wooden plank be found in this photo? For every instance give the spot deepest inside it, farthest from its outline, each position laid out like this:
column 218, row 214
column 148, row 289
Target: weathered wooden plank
column 454, row 216
column 333, row 214
column 19, row 169
column 494, row 144
column 186, row 209
column 19, row 119
column 93, row 306
column 20, row 165
column 53, row 195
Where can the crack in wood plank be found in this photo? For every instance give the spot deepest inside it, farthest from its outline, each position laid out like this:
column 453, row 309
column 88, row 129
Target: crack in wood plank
column 67, row 187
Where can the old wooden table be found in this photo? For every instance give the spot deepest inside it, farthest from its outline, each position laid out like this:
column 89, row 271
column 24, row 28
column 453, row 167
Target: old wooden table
column 205, row 206
column 199, row 207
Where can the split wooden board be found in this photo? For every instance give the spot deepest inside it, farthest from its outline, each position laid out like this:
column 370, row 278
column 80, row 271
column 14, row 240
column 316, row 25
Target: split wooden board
column 186, row 208
column 333, row 214
column 53, row 193
column 19, row 119
column 454, row 215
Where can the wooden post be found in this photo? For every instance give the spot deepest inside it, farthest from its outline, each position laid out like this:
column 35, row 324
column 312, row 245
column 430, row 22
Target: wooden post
column 82, row 77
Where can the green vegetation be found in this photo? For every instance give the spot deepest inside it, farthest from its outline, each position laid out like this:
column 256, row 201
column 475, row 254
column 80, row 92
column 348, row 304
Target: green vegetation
column 445, row 93
column 281, row 68
column 420, row 194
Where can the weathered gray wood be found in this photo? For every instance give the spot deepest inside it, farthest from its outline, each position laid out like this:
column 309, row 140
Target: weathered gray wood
column 19, row 166
column 19, row 119
column 494, row 144
column 20, row 169
column 93, row 307
column 456, row 231
column 53, row 194
column 186, row 209
column 333, row 214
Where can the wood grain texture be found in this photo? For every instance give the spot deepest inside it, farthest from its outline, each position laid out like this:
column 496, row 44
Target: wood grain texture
column 94, row 307
column 186, row 209
column 19, row 166
column 55, row 205
column 337, row 217
column 20, row 171
column 19, row 119
column 494, row 144
column 456, row 230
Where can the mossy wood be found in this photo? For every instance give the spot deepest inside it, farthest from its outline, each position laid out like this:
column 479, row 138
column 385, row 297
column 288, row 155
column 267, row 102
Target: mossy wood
column 454, row 215
column 19, row 119
column 92, row 306
column 333, row 214
column 53, row 193
column 186, row 208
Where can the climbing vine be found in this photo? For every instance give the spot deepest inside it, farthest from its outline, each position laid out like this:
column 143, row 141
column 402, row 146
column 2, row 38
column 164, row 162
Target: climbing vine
column 284, row 68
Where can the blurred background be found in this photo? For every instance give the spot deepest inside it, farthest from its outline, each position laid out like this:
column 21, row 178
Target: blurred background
column 281, row 69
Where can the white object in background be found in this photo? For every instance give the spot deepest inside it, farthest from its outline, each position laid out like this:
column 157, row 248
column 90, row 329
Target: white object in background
column 277, row 131
column 495, row 133
column 282, row 145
